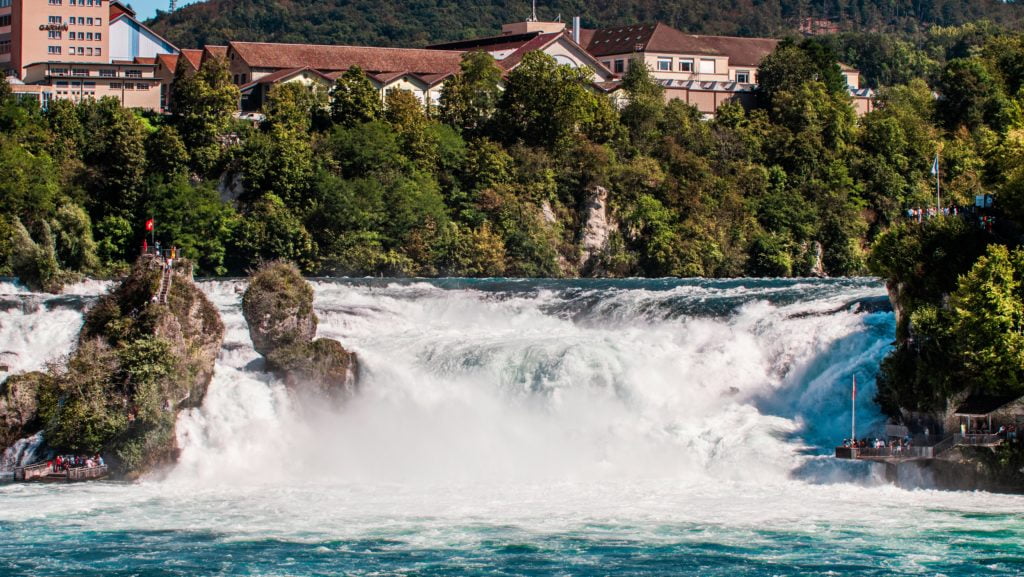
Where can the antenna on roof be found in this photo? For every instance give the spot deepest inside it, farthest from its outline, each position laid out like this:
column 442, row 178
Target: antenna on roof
column 533, row 16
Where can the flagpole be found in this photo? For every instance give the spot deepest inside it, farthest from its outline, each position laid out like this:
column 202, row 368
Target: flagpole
column 853, row 412
column 938, row 198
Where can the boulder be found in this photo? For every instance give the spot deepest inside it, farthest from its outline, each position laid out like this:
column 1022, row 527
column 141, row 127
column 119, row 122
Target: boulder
column 278, row 306
column 19, row 406
column 138, row 363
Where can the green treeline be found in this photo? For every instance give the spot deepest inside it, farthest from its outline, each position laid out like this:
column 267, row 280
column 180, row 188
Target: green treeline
column 959, row 283
column 495, row 181
column 395, row 23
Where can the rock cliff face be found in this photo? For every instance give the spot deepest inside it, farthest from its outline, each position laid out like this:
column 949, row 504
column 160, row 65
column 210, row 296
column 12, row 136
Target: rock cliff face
column 597, row 227
column 19, row 406
column 278, row 306
column 138, row 362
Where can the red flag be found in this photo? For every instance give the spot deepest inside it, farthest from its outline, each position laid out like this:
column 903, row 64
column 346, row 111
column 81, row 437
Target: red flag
column 149, row 225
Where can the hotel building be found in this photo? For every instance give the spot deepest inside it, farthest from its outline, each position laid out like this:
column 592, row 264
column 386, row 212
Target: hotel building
column 78, row 49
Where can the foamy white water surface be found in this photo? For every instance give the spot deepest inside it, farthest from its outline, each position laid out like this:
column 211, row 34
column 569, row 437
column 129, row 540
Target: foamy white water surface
column 531, row 428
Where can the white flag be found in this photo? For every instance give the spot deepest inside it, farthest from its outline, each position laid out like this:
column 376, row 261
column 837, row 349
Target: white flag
column 935, row 166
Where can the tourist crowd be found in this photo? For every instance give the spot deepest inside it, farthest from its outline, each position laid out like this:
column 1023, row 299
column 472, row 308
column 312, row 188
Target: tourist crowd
column 65, row 462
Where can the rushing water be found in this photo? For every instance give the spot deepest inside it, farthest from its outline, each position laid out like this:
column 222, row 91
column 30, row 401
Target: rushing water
column 522, row 428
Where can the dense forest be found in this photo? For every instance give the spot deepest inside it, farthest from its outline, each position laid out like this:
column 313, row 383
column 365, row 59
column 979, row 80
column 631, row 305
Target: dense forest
column 496, row 181
column 413, row 24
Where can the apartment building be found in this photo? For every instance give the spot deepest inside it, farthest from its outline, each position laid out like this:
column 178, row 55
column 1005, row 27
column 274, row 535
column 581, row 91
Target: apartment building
column 62, row 49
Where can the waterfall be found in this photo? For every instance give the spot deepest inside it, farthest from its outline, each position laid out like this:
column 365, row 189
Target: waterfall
column 505, row 380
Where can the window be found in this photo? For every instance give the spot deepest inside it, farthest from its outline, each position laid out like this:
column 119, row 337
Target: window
column 53, row 49
column 5, row 3
column 54, row 20
column 79, row 71
column 53, row 34
column 245, row 78
column 72, row 2
column 607, row 64
column 5, row 46
column 99, row 22
column 115, row 85
column 133, row 74
column 59, row 71
column 54, row 2
column 88, row 21
column 743, row 76
column 107, row 74
column 90, row 85
column 129, row 86
column 99, row 52
column 88, row 51
column 620, row 66
column 81, row 20
column 686, row 64
column 88, row 36
column 707, row 66
column 141, row 86
column 62, row 84
column 664, row 64
column 5, row 20
column 99, row 36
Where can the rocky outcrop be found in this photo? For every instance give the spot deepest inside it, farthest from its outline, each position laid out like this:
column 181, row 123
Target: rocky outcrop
column 965, row 469
column 278, row 306
column 137, row 364
column 597, row 228
column 19, row 406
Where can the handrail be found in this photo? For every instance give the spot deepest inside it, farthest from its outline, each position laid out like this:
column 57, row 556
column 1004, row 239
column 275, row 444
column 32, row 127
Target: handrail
column 86, row 473
column 978, row 439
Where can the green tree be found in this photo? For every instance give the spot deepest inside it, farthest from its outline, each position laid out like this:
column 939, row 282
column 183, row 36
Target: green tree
column 970, row 95
column 166, row 153
column 192, row 218
column 468, row 100
column 294, row 106
column 202, row 103
column 354, row 100
column 986, row 315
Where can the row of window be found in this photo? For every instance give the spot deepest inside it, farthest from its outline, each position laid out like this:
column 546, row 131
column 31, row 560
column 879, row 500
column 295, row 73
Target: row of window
column 57, row 35
column 92, row 85
column 73, row 3
column 664, row 64
column 103, row 72
column 240, row 78
column 5, row 3
column 73, row 20
column 75, row 50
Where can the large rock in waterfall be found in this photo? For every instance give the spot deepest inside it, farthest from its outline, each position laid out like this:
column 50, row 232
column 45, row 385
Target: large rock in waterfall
column 19, row 406
column 278, row 306
column 139, row 361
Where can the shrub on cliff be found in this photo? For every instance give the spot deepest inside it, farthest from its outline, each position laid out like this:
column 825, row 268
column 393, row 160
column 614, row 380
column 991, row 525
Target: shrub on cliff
column 138, row 362
column 278, row 305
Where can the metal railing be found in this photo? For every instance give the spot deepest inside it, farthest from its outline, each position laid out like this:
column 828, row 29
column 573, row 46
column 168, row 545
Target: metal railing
column 87, row 473
column 894, row 452
column 979, row 439
column 30, row 472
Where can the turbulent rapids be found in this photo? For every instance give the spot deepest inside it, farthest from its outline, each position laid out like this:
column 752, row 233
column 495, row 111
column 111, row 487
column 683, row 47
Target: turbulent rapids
column 515, row 427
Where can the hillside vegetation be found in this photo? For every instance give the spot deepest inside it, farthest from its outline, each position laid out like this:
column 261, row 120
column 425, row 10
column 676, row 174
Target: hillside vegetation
column 396, row 23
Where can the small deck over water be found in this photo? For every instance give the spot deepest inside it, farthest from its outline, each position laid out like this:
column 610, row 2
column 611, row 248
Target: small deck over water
column 913, row 452
column 45, row 473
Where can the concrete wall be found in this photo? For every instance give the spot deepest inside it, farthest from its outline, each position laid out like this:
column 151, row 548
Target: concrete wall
column 130, row 40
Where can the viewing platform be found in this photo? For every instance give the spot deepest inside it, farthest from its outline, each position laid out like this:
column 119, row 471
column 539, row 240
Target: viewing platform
column 45, row 473
column 919, row 451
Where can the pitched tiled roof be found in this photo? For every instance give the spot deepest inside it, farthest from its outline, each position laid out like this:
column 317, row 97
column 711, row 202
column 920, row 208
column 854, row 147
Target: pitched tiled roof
column 194, row 57
column 215, row 51
column 333, row 58
column 168, row 61
column 283, row 74
column 487, row 43
column 538, row 42
column 647, row 38
column 741, row 51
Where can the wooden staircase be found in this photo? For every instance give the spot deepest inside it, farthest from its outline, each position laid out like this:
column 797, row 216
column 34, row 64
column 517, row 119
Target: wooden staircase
column 165, row 285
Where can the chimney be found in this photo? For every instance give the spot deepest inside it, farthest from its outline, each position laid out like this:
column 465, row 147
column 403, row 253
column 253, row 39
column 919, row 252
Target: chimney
column 576, row 29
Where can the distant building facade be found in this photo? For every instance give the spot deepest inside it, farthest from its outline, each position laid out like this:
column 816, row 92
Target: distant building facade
column 62, row 49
